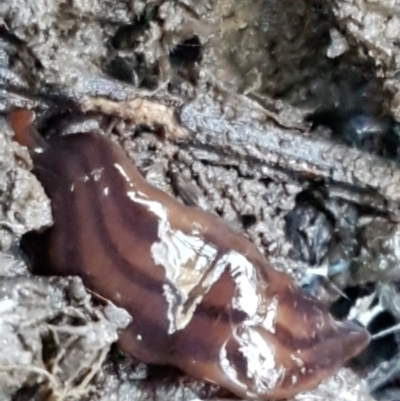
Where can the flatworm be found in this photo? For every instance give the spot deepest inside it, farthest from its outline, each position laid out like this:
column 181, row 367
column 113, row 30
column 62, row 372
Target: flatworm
column 201, row 296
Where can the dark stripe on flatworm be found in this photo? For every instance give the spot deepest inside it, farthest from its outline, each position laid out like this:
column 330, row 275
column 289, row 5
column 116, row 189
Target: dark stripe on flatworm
column 216, row 313
column 50, row 174
column 72, row 250
column 98, row 217
column 130, row 212
column 291, row 341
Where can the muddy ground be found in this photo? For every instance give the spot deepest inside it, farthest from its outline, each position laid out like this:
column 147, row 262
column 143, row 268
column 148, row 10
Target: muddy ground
column 280, row 116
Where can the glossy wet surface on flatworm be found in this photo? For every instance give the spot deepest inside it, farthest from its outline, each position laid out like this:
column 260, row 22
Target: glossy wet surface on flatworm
column 201, row 296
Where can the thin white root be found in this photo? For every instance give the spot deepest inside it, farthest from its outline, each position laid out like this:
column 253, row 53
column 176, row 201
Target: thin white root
column 386, row 332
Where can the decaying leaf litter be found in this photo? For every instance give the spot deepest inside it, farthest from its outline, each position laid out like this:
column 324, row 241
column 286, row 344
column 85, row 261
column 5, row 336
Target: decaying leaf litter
column 289, row 122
